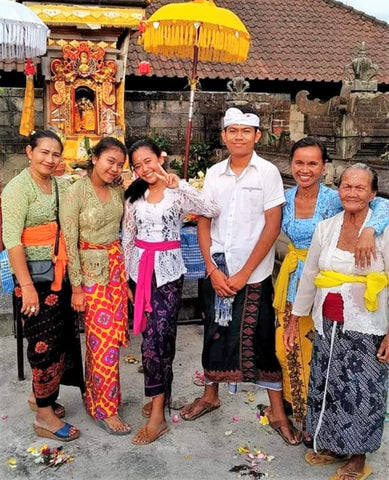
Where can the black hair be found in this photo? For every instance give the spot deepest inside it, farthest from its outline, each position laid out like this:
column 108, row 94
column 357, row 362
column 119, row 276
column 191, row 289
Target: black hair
column 362, row 166
column 105, row 143
column 138, row 187
column 310, row 142
column 34, row 137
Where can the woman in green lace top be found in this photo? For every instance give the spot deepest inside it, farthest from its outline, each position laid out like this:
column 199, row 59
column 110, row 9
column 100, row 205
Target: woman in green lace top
column 91, row 216
column 29, row 204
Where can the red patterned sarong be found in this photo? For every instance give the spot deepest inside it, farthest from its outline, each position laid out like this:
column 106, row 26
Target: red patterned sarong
column 106, row 329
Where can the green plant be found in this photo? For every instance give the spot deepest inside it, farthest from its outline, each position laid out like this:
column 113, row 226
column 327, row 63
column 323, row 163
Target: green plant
column 162, row 141
column 199, row 160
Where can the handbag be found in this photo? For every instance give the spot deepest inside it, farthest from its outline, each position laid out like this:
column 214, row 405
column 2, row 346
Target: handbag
column 43, row 270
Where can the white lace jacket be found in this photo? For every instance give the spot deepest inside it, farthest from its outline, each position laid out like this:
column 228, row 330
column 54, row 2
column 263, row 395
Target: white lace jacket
column 324, row 255
column 158, row 222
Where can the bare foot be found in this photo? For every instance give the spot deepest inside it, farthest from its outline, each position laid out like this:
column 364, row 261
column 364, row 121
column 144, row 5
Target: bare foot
column 199, row 407
column 146, row 409
column 285, row 428
column 46, row 418
column 116, row 424
column 356, row 464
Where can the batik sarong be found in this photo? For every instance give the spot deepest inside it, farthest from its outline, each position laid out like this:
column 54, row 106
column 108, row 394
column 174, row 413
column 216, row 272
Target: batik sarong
column 243, row 351
column 53, row 350
column 106, row 330
column 159, row 338
column 352, row 418
column 295, row 365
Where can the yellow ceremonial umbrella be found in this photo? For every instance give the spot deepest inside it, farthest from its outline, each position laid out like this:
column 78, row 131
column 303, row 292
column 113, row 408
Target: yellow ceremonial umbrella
column 198, row 30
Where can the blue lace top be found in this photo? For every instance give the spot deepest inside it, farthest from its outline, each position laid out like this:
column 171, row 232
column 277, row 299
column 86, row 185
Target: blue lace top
column 328, row 204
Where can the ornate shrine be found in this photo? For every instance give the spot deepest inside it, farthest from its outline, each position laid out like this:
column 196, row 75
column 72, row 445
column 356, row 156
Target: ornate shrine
column 84, row 71
column 84, row 97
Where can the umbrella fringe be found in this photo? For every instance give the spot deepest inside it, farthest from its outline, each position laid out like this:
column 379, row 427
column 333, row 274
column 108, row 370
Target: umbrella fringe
column 216, row 44
column 21, row 41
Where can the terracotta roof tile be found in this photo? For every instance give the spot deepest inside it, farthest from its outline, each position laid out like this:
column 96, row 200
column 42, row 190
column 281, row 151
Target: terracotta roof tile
column 290, row 40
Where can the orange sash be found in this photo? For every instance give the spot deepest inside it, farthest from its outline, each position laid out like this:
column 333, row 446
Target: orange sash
column 43, row 235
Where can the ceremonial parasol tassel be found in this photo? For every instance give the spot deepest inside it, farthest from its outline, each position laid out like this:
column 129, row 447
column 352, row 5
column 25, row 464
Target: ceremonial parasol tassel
column 27, row 121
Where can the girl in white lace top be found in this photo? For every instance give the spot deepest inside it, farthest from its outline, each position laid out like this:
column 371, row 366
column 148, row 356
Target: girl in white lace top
column 156, row 205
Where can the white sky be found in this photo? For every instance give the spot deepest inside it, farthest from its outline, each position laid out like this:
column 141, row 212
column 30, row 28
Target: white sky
column 376, row 8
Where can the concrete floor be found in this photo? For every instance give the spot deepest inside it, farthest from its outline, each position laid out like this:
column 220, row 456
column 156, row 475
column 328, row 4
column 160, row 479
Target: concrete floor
column 197, row 450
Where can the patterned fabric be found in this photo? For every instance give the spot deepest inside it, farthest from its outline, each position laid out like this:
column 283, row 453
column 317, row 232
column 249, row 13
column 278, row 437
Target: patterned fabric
column 85, row 218
column 223, row 305
column 25, row 205
column 54, row 349
column 355, row 402
column 160, row 222
column 243, row 351
column 295, row 364
column 159, row 338
column 106, row 329
column 6, row 280
column 191, row 254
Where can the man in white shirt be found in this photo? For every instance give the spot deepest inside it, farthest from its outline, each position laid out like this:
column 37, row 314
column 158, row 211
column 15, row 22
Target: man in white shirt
column 238, row 250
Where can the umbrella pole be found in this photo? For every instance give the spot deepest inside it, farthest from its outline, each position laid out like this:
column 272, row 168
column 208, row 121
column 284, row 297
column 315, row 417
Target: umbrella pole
column 192, row 82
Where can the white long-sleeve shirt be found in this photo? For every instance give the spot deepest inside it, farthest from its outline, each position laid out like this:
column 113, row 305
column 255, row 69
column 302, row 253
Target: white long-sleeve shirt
column 159, row 222
column 325, row 255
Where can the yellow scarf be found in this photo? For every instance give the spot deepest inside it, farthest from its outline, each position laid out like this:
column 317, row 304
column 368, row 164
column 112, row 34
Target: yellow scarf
column 375, row 282
column 288, row 266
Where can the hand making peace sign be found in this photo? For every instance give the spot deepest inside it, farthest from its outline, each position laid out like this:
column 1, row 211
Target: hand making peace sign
column 170, row 179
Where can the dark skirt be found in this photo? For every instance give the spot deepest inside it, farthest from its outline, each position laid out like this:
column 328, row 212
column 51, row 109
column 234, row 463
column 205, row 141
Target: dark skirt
column 159, row 338
column 54, row 349
column 355, row 403
column 244, row 351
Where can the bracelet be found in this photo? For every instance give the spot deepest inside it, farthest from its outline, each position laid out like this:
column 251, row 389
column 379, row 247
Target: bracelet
column 26, row 284
column 211, row 272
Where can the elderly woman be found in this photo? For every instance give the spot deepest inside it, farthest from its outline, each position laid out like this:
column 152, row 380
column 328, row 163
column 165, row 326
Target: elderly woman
column 349, row 374
column 308, row 203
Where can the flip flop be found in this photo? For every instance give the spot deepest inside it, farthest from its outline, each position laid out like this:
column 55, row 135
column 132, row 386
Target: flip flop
column 367, row 470
column 59, row 409
column 206, row 408
column 63, row 434
column 276, row 426
column 319, row 459
column 147, row 439
column 104, row 425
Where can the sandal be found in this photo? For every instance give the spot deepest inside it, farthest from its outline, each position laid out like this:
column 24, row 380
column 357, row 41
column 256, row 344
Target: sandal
column 319, row 459
column 339, row 475
column 105, row 426
column 277, row 427
column 58, row 409
column 185, row 412
column 142, row 437
column 63, row 434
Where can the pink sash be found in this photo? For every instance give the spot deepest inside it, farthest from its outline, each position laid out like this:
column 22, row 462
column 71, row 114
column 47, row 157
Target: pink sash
column 145, row 274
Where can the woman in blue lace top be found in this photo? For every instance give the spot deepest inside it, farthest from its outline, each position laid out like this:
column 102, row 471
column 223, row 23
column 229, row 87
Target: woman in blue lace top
column 306, row 205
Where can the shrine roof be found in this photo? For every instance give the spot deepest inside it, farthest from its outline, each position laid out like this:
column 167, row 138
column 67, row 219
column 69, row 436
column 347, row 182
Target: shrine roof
column 295, row 40
column 91, row 16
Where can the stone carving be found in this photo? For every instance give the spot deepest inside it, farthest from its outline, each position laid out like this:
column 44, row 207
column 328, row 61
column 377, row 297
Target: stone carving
column 360, row 71
column 315, row 107
column 236, row 91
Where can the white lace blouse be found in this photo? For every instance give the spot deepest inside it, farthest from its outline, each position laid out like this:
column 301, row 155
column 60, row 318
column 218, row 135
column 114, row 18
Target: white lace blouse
column 158, row 222
column 324, row 255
